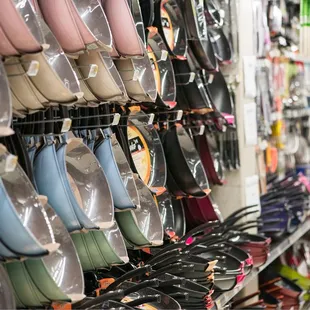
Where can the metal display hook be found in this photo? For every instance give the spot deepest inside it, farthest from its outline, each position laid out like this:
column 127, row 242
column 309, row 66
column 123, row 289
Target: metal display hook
column 191, row 78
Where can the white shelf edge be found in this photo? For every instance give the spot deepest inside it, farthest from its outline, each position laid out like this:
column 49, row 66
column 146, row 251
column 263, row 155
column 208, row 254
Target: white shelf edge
column 279, row 248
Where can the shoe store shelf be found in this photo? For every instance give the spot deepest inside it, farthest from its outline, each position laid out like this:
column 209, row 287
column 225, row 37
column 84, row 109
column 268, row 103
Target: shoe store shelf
column 276, row 250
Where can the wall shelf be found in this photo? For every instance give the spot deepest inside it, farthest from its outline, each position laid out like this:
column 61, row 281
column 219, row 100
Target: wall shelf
column 277, row 249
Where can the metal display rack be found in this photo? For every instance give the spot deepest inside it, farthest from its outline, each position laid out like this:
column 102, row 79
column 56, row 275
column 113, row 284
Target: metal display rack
column 277, row 249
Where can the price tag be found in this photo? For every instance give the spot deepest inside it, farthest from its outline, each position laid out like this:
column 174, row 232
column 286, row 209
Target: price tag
column 33, row 68
column 66, row 125
column 202, row 130
column 179, row 115
column 192, row 76
column 151, row 118
column 9, row 164
column 211, row 78
column 164, row 55
column 93, row 71
column 116, row 119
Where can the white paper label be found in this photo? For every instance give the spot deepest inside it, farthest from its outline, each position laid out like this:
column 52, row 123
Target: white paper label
column 250, row 123
column 116, row 119
column 93, row 70
column 192, row 77
column 151, row 118
column 33, row 68
column 249, row 71
column 179, row 115
column 164, row 55
column 252, row 191
column 66, row 125
column 211, row 78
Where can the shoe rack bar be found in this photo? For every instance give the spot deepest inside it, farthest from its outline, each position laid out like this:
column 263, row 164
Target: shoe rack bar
column 277, row 249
